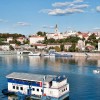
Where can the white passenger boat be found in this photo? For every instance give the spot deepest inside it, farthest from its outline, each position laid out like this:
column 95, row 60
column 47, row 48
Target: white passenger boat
column 49, row 54
column 39, row 86
column 34, row 54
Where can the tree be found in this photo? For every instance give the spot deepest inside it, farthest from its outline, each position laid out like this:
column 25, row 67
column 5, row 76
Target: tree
column 41, row 33
column 72, row 48
column 11, row 47
column 58, row 49
column 62, row 47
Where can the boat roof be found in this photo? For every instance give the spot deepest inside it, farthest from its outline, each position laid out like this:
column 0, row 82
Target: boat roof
column 30, row 77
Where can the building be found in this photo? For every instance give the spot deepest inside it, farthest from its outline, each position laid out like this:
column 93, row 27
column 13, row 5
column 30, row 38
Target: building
column 35, row 39
column 4, row 47
column 9, row 39
column 98, row 45
column 81, row 45
column 21, row 39
column 56, row 35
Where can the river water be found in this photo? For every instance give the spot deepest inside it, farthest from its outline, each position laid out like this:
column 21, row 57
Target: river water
column 84, row 84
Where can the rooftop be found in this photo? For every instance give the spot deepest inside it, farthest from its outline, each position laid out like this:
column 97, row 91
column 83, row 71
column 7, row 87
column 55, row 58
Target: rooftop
column 30, row 77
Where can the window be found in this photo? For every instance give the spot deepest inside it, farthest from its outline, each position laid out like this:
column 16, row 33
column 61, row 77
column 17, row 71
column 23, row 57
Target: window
column 33, row 89
column 13, row 87
column 17, row 87
column 41, row 90
column 21, row 88
column 66, row 88
column 37, row 89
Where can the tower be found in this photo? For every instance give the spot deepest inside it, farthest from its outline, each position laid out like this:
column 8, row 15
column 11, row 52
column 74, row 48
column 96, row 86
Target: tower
column 56, row 29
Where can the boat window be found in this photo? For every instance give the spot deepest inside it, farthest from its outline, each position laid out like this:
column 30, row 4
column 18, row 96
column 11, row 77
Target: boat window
column 37, row 89
column 17, row 87
column 21, row 88
column 33, row 89
column 13, row 87
column 66, row 88
column 41, row 90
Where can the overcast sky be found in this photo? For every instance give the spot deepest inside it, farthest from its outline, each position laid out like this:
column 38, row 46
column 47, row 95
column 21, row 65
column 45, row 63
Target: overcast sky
column 29, row 16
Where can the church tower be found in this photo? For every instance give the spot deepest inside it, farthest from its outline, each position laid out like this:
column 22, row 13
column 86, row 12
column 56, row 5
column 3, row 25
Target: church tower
column 56, row 29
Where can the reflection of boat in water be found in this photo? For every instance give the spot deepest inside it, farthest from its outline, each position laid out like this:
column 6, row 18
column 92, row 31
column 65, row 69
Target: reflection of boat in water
column 34, row 54
column 38, row 86
column 96, row 71
column 49, row 54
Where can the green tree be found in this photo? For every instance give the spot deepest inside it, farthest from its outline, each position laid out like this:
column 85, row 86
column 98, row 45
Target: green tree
column 72, row 48
column 62, row 47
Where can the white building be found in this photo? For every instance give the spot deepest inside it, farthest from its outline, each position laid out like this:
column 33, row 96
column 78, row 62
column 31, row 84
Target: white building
column 9, row 39
column 56, row 35
column 81, row 45
column 98, row 45
column 71, row 33
column 4, row 47
column 35, row 39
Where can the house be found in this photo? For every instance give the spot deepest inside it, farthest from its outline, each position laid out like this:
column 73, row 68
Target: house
column 83, row 35
column 21, row 39
column 98, row 45
column 9, row 39
column 40, row 46
column 81, row 45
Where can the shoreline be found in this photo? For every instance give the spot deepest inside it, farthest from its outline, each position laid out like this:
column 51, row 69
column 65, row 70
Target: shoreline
column 74, row 54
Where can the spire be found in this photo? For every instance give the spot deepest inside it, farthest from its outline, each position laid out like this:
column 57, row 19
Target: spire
column 56, row 29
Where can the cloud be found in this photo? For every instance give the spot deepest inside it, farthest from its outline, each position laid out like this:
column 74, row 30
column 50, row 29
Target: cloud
column 98, row 8
column 64, row 8
column 64, row 11
column 81, row 6
column 62, row 4
column 23, row 24
column 96, row 28
column 49, row 27
column 3, row 21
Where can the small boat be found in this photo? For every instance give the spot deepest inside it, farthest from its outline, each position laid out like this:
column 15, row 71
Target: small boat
column 49, row 54
column 62, row 55
column 37, row 86
column 34, row 54
column 96, row 71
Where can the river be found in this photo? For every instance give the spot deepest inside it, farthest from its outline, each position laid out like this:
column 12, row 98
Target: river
column 84, row 84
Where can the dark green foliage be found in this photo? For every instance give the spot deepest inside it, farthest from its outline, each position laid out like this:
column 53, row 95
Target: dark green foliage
column 41, row 33
column 72, row 48
column 11, row 47
column 15, row 35
column 62, row 47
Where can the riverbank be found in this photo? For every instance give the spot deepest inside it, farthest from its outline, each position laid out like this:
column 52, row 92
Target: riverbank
column 74, row 54
column 84, row 54
column 8, row 52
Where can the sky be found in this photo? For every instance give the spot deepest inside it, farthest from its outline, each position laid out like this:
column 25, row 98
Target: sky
column 30, row 16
